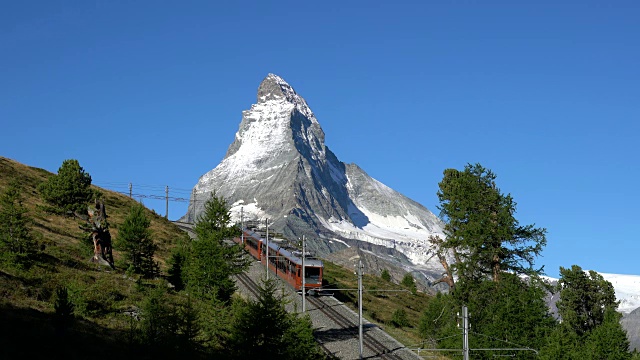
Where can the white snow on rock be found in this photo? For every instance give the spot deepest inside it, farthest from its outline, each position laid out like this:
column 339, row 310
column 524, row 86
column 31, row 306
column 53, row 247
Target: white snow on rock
column 627, row 289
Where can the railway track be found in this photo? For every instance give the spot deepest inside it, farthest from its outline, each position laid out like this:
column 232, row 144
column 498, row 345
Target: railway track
column 252, row 287
column 249, row 284
column 346, row 326
column 340, row 332
column 379, row 349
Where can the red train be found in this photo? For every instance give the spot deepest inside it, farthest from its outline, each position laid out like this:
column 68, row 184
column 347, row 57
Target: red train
column 284, row 262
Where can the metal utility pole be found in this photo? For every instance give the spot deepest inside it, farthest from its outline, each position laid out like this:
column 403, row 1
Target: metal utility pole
column 193, row 205
column 242, row 224
column 166, row 197
column 130, row 187
column 465, row 333
column 266, row 221
column 304, row 308
column 360, row 266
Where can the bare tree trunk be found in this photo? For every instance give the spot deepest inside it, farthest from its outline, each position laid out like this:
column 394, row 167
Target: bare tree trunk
column 448, row 276
column 496, row 267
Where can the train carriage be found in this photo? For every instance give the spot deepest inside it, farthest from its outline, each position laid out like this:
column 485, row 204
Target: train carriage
column 290, row 270
column 253, row 243
column 285, row 263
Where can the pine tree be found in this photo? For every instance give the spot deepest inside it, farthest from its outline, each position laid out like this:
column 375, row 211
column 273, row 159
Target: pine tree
column 188, row 327
column 211, row 263
column 16, row 241
column 511, row 311
column 584, row 299
column 69, row 190
column 64, row 308
column 504, row 313
column 608, row 340
column 299, row 339
column 438, row 319
column 134, row 239
column 260, row 326
column 481, row 230
column 562, row 344
column 160, row 324
column 590, row 327
column 264, row 330
column 215, row 219
column 409, row 282
column 385, row 275
column 176, row 267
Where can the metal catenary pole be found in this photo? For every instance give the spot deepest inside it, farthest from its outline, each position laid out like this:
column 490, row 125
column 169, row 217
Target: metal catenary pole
column 465, row 332
column 267, row 249
column 193, row 205
column 166, row 197
column 242, row 225
column 303, row 277
column 360, row 304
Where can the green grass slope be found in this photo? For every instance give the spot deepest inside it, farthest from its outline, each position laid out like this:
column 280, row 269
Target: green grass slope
column 101, row 296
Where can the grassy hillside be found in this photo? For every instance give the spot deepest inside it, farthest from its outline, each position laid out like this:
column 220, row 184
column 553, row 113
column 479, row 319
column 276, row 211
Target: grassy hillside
column 102, row 296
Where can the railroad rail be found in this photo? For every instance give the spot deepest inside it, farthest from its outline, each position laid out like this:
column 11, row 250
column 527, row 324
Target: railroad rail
column 379, row 349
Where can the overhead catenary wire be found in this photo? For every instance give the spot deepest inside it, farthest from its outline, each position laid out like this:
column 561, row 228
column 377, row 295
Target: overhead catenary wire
column 158, row 194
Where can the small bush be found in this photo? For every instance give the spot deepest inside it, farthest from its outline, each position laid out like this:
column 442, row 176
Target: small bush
column 64, row 309
column 385, row 275
column 399, row 318
column 409, row 282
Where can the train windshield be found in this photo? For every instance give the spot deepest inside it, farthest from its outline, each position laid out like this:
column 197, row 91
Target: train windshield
column 312, row 275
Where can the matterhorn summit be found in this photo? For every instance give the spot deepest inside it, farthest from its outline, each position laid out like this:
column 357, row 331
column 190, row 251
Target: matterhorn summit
column 279, row 170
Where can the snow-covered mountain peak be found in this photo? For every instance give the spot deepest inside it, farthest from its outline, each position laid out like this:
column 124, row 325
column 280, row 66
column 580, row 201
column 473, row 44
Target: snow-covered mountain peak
column 273, row 87
column 279, row 168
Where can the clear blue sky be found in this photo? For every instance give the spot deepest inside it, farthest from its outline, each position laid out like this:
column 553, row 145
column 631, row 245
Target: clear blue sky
column 544, row 93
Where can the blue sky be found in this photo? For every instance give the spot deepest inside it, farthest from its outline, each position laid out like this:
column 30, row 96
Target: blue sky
column 544, row 93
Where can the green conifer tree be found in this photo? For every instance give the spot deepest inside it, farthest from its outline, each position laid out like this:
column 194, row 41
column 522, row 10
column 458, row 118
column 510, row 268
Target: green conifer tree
column 17, row 244
column 590, row 327
column 608, row 340
column 64, row 309
column 481, row 230
column 508, row 313
column 69, row 190
column 584, row 299
column 264, row 329
column 211, row 262
column 385, row 275
column 134, row 239
column 176, row 267
column 409, row 282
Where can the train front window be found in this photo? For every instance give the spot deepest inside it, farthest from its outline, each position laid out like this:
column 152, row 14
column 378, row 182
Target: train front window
column 312, row 274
